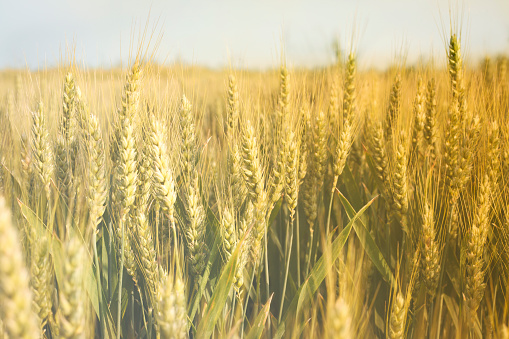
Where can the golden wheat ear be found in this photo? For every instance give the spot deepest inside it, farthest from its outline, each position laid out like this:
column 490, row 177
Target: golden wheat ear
column 195, row 229
column 430, row 251
column 339, row 321
column 475, row 249
column 163, row 184
column 97, row 182
column 72, row 297
column 41, row 149
column 430, row 132
column 172, row 317
column 19, row 321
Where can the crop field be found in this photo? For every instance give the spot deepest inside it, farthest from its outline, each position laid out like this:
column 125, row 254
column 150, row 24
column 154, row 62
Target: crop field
column 152, row 201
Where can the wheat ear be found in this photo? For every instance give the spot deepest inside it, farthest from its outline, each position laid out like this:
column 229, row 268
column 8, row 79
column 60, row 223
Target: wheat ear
column 43, row 155
column 394, row 109
column 430, row 251
column 172, row 316
column 98, row 185
column 340, row 321
column 475, row 247
column 162, row 178
column 71, row 293
column 253, row 177
column 419, row 117
column 430, row 133
column 233, row 108
column 187, row 129
column 42, row 279
column 195, row 229
column 15, row 295
column 397, row 317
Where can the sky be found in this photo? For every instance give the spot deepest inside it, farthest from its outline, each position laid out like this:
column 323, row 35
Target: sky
column 249, row 34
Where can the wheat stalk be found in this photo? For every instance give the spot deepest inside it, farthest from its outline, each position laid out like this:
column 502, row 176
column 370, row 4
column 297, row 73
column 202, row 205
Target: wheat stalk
column 125, row 175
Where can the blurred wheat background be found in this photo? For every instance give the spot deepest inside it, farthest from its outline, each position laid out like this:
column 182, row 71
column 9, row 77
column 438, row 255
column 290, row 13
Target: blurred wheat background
column 156, row 201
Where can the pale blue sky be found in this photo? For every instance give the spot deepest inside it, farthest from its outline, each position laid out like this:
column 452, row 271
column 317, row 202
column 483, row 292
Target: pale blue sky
column 246, row 33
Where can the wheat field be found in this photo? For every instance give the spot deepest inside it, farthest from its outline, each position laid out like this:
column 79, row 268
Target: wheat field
column 181, row 202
